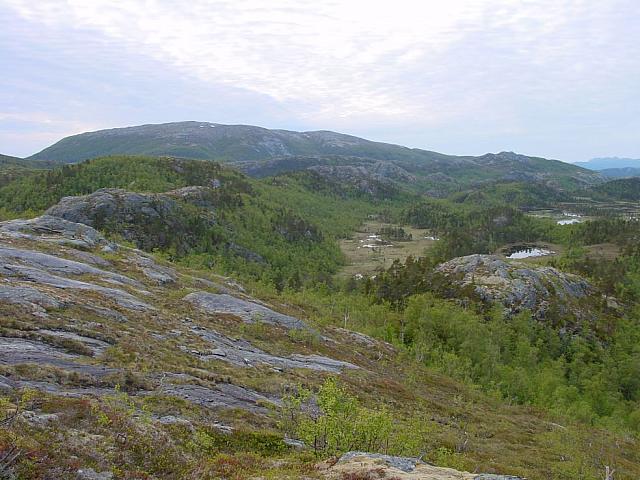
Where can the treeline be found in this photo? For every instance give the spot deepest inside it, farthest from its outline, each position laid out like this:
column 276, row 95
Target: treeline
column 395, row 234
column 466, row 229
column 619, row 276
column 42, row 189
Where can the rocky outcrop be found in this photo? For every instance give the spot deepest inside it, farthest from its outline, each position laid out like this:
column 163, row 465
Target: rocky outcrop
column 248, row 311
column 241, row 353
column 223, row 395
column 34, row 299
column 375, row 466
column 199, row 196
column 112, row 205
column 159, row 274
column 517, row 285
column 54, row 229
column 68, row 301
column 149, row 220
column 19, row 351
column 57, row 265
column 42, row 277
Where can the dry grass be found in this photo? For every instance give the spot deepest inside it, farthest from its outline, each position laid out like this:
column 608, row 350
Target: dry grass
column 366, row 261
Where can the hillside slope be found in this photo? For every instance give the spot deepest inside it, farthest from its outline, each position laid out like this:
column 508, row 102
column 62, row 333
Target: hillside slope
column 229, row 340
column 261, row 151
column 114, row 364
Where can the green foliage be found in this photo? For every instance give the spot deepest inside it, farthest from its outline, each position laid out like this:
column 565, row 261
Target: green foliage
column 211, row 441
column 338, row 423
column 516, row 194
column 590, row 374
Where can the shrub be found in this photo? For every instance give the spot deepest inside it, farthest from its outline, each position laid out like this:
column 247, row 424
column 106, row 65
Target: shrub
column 337, row 423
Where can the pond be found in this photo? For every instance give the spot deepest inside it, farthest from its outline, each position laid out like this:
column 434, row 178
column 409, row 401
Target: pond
column 570, row 221
column 527, row 251
column 573, row 218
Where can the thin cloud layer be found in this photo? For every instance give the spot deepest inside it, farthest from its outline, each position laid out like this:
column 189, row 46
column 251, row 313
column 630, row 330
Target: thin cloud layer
column 459, row 76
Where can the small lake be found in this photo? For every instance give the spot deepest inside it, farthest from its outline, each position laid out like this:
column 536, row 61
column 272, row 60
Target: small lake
column 573, row 218
column 527, row 251
column 570, row 221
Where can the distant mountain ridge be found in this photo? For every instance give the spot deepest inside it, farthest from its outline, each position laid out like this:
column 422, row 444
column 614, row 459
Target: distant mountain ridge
column 609, row 163
column 260, row 152
column 206, row 141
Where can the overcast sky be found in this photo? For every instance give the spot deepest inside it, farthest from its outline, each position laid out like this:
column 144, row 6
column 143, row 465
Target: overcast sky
column 554, row 78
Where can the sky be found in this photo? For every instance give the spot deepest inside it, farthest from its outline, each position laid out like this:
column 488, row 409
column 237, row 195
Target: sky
column 552, row 78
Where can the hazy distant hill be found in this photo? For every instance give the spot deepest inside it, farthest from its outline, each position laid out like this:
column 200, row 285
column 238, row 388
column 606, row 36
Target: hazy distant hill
column 260, row 152
column 609, row 163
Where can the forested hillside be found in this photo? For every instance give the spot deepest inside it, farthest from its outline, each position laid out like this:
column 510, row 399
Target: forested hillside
column 230, row 223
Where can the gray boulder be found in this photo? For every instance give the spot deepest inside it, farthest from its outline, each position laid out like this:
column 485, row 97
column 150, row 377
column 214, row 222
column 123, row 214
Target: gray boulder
column 39, row 419
column 364, row 464
column 492, row 476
